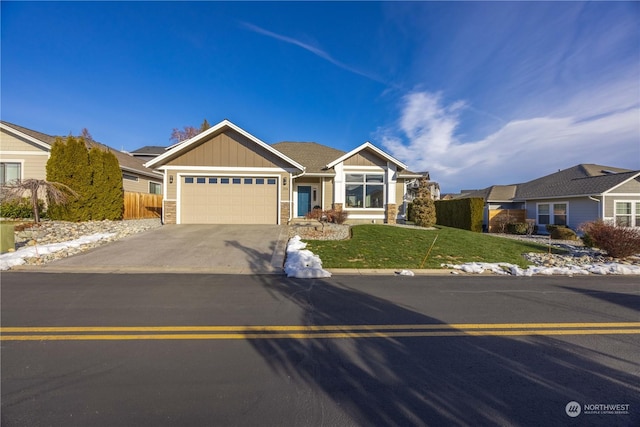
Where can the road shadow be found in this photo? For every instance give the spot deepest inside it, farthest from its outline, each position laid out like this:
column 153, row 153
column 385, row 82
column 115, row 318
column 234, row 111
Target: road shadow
column 622, row 299
column 399, row 381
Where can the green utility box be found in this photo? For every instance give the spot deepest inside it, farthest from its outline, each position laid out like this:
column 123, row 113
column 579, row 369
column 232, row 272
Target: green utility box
column 7, row 238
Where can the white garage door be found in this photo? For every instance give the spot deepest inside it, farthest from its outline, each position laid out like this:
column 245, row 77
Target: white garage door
column 228, row 200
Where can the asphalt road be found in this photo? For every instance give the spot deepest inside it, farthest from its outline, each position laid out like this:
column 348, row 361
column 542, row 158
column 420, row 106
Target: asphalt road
column 202, row 350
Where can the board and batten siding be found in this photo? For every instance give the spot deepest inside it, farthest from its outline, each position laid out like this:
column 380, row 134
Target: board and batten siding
column 229, row 149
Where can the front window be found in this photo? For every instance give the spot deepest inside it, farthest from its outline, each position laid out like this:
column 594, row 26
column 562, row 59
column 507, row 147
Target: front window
column 552, row 213
column 364, row 190
column 627, row 214
column 10, row 172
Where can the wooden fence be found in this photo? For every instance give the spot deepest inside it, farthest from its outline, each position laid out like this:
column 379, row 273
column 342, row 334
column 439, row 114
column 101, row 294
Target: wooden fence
column 141, row 205
column 499, row 218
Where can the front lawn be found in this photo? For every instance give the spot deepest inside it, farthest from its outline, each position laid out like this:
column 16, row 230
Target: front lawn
column 379, row 246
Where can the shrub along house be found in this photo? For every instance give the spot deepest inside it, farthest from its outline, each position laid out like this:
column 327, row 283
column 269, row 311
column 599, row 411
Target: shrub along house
column 225, row 175
column 582, row 193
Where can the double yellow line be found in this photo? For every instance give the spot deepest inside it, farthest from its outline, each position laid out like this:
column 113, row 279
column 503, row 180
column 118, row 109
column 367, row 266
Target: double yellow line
column 100, row 333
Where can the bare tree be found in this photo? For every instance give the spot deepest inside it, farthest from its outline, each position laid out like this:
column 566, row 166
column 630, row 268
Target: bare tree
column 187, row 132
column 54, row 192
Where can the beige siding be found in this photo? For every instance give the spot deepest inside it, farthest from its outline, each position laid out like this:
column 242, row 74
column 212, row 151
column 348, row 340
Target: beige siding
column 400, row 192
column 32, row 157
column 9, row 142
column 328, row 193
column 229, row 149
column 365, row 158
column 631, row 187
column 139, row 186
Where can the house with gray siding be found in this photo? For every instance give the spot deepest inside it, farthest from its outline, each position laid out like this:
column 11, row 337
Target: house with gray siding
column 571, row 197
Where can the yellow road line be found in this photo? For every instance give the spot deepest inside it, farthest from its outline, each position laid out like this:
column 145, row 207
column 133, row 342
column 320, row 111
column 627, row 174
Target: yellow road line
column 316, row 328
column 321, row 335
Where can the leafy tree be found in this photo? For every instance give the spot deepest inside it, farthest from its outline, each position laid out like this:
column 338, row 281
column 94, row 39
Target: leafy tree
column 423, row 206
column 53, row 192
column 188, row 132
column 106, row 198
column 93, row 174
column 68, row 164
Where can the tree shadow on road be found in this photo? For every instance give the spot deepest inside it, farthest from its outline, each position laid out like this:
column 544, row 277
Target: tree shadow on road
column 443, row 380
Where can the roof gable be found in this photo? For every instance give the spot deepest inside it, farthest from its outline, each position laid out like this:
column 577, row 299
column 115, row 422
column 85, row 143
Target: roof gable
column 178, row 149
column 40, row 139
column 312, row 155
column 368, row 146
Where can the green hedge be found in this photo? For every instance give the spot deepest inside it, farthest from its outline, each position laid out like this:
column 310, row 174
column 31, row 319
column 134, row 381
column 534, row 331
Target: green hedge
column 466, row 214
column 19, row 209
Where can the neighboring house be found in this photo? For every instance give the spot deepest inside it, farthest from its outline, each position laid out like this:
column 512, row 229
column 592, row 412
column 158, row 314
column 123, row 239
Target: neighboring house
column 225, row 175
column 24, row 154
column 414, row 185
column 570, row 197
column 148, row 152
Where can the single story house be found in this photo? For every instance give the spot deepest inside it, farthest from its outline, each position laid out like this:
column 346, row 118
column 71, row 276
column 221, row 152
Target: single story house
column 582, row 193
column 24, row 154
column 225, row 175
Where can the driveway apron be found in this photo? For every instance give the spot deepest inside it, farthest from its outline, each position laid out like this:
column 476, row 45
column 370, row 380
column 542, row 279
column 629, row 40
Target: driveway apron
column 231, row 249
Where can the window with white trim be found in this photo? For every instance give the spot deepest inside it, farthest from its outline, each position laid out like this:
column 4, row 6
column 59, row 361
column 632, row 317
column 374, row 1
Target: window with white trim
column 155, row 188
column 364, row 190
column 10, row 171
column 627, row 214
column 552, row 213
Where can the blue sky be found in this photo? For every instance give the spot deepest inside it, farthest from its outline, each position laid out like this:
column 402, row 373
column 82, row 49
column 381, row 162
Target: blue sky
column 476, row 93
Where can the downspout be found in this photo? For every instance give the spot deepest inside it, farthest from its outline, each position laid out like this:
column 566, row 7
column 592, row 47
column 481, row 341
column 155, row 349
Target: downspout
column 600, row 206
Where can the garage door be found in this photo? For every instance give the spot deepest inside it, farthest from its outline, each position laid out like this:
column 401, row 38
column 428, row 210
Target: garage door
column 228, row 200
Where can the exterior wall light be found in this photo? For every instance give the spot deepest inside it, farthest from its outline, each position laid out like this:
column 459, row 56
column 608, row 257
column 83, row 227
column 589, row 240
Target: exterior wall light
column 170, row 179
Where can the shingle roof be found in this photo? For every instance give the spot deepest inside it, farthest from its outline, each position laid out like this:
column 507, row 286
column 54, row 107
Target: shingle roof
column 579, row 180
column 125, row 160
column 312, row 155
column 149, row 150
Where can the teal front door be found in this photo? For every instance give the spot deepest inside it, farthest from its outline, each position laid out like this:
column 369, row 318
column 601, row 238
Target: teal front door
column 304, row 200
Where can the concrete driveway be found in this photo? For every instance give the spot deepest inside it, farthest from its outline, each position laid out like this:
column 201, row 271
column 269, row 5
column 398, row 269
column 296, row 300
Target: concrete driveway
column 222, row 249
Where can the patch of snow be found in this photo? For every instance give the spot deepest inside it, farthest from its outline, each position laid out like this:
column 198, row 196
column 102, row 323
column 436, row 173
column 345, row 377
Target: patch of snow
column 514, row 270
column 301, row 262
column 405, row 273
column 18, row 257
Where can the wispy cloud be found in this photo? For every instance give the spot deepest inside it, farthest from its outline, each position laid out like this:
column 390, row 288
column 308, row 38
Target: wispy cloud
column 425, row 137
column 316, row 51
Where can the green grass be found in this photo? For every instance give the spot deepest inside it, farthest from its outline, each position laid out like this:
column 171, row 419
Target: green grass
column 377, row 246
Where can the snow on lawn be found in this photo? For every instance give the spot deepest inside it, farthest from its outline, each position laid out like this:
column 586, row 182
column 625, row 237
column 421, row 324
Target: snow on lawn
column 301, row 262
column 514, row 270
column 12, row 259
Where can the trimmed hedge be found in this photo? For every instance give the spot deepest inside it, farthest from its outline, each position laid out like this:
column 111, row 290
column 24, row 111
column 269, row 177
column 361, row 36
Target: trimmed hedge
column 466, row 214
column 19, row 209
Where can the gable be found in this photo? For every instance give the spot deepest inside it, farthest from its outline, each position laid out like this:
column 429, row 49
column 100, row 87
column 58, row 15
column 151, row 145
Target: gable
column 365, row 158
column 228, row 149
column 14, row 142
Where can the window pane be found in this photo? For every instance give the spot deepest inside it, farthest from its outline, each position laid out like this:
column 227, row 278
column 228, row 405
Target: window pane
column 10, row 172
column 354, row 177
column 201, row 180
column 375, row 178
column 213, row 180
column 354, row 195
column 623, row 208
column 224, row 180
column 155, row 188
column 543, row 209
column 260, row 181
column 375, row 196
column 623, row 221
column 560, row 214
column 248, row 180
column 188, row 180
column 271, row 181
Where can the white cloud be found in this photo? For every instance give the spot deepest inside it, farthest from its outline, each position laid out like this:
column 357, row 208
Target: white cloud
column 601, row 126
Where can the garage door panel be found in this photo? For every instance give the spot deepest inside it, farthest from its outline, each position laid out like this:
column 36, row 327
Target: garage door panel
column 229, row 200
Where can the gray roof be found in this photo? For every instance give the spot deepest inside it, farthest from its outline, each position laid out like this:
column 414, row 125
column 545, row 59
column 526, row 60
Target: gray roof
column 149, row 150
column 126, row 161
column 315, row 157
column 579, row 180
